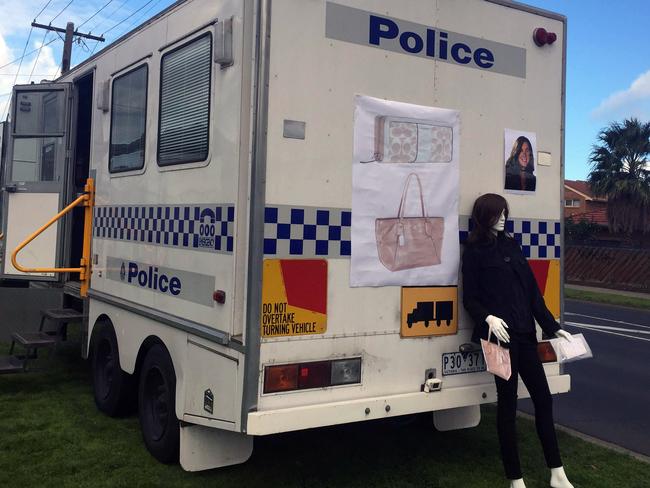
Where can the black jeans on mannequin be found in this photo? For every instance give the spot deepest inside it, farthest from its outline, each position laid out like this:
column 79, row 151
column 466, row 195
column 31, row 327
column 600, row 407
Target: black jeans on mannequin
column 525, row 362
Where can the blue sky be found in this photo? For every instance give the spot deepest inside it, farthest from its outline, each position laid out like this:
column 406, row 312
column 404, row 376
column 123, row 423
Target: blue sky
column 608, row 65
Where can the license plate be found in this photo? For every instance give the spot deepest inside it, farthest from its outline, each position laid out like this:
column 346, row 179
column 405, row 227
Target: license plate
column 458, row 363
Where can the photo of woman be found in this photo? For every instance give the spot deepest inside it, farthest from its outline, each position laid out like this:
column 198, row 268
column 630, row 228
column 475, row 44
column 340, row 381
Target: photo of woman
column 520, row 164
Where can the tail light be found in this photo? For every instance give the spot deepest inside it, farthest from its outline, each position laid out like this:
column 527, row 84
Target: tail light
column 281, row 378
column 546, row 352
column 316, row 374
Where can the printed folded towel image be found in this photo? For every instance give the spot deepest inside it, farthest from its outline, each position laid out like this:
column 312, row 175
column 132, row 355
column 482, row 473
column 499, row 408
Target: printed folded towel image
column 403, row 140
column 409, row 242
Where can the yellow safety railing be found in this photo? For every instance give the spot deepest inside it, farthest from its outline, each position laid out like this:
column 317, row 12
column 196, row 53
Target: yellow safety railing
column 86, row 200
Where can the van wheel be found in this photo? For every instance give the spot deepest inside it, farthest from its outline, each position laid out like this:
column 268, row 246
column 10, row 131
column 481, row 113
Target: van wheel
column 113, row 388
column 157, row 405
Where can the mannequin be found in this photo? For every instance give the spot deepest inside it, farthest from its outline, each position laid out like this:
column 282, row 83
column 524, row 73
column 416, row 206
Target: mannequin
column 501, row 295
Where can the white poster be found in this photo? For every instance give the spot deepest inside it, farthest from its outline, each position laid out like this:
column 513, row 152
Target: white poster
column 520, row 149
column 404, row 194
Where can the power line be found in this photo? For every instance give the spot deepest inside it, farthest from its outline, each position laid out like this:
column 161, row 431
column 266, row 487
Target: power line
column 62, row 10
column 127, row 18
column 93, row 15
column 14, row 74
column 46, row 5
column 28, row 54
column 4, row 115
column 101, row 21
column 139, row 19
column 38, row 56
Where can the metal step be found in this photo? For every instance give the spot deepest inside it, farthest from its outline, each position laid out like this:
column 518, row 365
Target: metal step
column 34, row 340
column 63, row 314
column 11, row 364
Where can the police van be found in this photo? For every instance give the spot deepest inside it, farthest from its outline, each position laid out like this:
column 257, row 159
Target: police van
column 200, row 172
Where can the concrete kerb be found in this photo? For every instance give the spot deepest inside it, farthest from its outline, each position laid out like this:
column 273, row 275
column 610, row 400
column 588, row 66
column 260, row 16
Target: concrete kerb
column 592, row 440
column 608, row 291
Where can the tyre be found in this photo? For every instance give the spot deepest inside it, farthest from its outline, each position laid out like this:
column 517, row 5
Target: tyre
column 157, row 405
column 113, row 388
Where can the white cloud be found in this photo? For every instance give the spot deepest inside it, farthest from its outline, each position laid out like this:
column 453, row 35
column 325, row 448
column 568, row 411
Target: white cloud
column 633, row 102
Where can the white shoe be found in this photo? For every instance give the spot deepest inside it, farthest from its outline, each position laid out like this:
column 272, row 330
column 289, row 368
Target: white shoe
column 559, row 478
column 517, row 483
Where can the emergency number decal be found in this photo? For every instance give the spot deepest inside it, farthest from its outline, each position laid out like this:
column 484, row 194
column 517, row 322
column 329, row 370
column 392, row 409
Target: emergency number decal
column 294, row 297
column 429, row 311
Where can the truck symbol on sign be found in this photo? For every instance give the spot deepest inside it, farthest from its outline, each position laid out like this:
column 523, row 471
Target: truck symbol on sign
column 423, row 312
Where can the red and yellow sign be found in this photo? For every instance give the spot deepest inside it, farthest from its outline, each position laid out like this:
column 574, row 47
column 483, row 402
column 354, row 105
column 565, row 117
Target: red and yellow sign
column 294, row 297
column 547, row 274
column 429, row 311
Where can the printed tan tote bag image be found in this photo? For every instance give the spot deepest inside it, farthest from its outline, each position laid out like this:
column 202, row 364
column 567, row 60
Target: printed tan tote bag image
column 409, row 242
column 497, row 358
column 402, row 140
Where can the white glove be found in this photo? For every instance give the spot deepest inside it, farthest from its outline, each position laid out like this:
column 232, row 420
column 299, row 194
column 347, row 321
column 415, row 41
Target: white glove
column 563, row 334
column 498, row 328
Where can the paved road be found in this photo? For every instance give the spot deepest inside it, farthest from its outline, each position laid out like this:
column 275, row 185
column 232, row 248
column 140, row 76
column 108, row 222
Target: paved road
column 610, row 394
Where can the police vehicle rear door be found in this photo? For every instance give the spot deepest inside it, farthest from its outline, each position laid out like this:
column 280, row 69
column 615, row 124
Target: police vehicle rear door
column 34, row 175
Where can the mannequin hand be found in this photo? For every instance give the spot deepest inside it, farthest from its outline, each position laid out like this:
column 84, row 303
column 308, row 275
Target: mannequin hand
column 563, row 334
column 498, row 328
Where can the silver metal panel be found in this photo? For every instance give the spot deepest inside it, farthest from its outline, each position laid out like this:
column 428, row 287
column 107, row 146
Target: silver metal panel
column 258, row 195
column 293, row 129
column 180, row 323
column 223, row 43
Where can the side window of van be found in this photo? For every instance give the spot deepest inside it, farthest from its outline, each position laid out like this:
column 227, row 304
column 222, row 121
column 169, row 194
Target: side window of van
column 128, row 121
column 184, row 119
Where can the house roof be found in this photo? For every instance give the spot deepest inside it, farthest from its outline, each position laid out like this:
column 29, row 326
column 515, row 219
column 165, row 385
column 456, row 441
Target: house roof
column 583, row 189
column 598, row 216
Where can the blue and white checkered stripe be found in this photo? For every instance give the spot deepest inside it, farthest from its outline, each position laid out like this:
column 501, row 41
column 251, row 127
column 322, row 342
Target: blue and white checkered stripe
column 539, row 239
column 307, row 231
column 325, row 232
column 199, row 227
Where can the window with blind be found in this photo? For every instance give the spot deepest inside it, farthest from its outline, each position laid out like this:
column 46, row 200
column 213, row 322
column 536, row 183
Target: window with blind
column 128, row 121
column 183, row 129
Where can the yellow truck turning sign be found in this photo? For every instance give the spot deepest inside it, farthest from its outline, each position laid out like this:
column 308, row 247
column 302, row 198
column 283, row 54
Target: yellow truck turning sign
column 429, row 311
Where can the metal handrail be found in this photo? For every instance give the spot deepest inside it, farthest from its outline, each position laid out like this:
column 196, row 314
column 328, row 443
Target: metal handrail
column 87, row 200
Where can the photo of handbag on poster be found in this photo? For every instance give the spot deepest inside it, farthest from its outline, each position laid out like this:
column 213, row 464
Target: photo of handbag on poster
column 501, row 295
column 405, row 191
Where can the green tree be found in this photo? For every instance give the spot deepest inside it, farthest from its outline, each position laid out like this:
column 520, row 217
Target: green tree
column 620, row 170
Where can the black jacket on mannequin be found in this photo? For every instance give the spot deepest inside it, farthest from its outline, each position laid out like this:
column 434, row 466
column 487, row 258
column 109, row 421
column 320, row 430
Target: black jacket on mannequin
column 497, row 280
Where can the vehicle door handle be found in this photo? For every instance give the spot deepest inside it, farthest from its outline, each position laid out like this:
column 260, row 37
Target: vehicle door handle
column 10, row 188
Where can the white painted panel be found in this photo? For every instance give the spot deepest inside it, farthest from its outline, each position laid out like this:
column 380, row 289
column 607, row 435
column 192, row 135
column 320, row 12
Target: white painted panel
column 26, row 213
column 315, row 81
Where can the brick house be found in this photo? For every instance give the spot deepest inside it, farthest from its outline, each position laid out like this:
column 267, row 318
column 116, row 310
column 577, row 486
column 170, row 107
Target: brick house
column 580, row 202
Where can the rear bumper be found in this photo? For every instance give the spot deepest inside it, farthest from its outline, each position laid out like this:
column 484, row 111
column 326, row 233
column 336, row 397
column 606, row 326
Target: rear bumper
column 306, row 417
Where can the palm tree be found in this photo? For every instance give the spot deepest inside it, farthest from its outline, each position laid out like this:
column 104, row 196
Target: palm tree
column 621, row 171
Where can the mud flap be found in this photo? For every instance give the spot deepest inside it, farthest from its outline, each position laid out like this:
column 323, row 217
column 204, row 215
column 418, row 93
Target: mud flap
column 207, row 448
column 457, row 418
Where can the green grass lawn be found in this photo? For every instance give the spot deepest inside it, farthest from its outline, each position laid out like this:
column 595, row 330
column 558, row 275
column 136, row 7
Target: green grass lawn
column 52, row 435
column 607, row 298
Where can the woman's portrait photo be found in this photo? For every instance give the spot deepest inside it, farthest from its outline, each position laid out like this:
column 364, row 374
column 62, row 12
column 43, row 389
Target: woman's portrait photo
column 520, row 150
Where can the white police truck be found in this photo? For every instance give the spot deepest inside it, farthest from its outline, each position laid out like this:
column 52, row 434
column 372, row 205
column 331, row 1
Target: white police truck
column 214, row 143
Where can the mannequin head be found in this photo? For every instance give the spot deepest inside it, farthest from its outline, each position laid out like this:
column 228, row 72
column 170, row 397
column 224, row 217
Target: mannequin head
column 486, row 215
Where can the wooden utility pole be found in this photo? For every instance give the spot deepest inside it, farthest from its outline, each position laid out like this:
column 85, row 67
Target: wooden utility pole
column 70, row 33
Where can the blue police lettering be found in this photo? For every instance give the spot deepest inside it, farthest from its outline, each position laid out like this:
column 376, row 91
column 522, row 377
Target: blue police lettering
column 411, row 42
column 152, row 279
